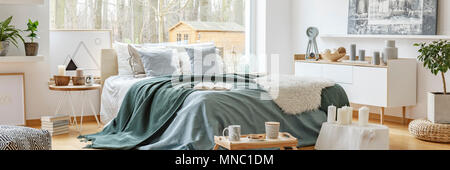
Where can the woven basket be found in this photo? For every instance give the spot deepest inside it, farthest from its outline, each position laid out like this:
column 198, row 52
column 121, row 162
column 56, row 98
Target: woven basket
column 428, row 131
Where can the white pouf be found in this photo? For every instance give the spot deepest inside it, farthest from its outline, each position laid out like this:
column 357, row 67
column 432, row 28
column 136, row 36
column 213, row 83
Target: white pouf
column 353, row 137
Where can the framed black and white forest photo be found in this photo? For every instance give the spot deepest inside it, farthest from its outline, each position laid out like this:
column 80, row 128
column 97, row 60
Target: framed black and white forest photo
column 393, row 17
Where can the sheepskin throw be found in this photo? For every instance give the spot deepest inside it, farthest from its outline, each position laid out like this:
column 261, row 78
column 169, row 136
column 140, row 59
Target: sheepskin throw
column 295, row 94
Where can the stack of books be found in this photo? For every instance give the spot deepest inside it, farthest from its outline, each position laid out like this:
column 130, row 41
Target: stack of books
column 56, row 125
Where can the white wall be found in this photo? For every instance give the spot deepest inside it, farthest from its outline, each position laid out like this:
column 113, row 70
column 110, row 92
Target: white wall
column 36, row 74
column 330, row 16
column 39, row 100
column 273, row 34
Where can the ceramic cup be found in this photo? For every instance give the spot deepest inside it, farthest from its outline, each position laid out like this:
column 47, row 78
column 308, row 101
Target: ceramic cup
column 89, row 80
column 234, row 132
column 272, row 130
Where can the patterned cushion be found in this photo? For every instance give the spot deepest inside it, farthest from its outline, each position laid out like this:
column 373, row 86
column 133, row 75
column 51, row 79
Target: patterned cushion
column 23, row 138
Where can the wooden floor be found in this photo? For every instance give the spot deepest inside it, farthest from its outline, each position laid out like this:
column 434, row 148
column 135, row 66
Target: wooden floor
column 399, row 139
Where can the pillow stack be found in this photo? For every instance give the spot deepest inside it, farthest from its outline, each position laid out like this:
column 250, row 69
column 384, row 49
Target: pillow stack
column 168, row 59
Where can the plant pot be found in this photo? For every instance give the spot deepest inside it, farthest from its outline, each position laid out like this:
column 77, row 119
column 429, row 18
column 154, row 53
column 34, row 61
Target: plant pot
column 4, row 46
column 31, row 48
column 439, row 108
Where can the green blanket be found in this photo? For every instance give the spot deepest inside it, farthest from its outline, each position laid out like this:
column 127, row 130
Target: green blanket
column 148, row 106
column 162, row 113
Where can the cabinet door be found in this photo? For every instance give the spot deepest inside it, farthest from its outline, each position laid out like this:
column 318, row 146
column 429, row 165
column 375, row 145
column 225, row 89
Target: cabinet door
column 308, row 69
column 338, row 73
column 370, row 86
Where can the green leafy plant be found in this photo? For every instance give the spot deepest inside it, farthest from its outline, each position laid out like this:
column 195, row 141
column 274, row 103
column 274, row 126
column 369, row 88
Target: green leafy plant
column 32, row 28
column 9, row 32
column 435, row 56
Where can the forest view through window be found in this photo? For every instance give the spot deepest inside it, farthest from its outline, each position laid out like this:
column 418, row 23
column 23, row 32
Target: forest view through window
column 158, row 21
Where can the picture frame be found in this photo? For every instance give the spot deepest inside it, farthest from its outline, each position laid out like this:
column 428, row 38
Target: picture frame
column 392, row 17
column 12, row 99
column 82, row 51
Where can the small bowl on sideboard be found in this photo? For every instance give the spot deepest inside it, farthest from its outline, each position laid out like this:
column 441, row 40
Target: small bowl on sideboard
column 334, row 56
column 62, row 80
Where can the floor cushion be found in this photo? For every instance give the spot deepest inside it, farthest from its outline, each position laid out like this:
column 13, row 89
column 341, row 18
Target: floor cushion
column 428, row 131
column 23, row 138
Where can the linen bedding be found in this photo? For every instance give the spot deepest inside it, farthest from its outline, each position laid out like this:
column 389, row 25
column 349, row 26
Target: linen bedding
column 203, row 114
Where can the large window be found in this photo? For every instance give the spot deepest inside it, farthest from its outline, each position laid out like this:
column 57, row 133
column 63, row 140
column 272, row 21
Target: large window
column 153, row 21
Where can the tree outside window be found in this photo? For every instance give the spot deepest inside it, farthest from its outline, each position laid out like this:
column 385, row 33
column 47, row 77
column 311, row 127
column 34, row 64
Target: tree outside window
column 152, row 21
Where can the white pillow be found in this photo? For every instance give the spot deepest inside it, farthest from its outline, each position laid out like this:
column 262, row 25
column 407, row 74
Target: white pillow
column 136, row 61
column 123, row 57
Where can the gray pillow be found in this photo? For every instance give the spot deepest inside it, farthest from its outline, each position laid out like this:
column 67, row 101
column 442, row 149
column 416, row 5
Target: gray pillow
column 158, row 61
column 135, row 60
column 203, row 60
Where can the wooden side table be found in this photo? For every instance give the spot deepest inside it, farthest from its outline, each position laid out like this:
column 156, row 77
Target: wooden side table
column 67, row 90
column 284, row 140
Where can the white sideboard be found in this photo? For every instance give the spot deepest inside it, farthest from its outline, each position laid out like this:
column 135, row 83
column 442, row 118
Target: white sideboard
column 393, row 85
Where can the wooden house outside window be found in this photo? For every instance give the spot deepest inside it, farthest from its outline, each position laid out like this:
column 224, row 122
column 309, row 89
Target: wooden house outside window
column 227, row 36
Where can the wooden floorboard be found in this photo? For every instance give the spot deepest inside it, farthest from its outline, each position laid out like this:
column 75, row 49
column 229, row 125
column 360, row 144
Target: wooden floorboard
column 400, row 139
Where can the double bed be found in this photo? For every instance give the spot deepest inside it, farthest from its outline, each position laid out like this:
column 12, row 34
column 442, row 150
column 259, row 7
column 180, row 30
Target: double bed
column 204, row 114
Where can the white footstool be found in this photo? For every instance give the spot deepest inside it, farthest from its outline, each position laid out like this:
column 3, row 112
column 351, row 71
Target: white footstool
column 353, row 137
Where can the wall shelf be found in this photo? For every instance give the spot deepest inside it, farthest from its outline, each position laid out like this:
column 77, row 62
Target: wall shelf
column 417, row 37
column 22, row 2
column 21, row 59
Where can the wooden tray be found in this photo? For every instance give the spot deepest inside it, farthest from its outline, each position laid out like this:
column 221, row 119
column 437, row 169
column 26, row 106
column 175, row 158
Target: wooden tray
column 284, row 140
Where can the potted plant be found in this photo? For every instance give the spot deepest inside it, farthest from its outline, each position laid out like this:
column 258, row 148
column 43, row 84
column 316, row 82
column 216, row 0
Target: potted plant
column 32, row 48
column 435, row 56
column 8, row 34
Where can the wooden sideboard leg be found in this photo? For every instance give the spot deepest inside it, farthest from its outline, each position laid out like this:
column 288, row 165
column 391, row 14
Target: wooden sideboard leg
column 404, row 115
column 382, row 115
column 216, row 147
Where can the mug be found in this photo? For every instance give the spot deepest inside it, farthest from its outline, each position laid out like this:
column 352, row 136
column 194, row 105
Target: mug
column 272, row 130
column 89, row 80
column 234, row 132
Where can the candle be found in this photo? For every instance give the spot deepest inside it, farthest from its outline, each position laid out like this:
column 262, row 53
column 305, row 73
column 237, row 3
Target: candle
column 331, row 114
column 362, row 55
column 342, row 116
column 349, row 115
column 363, row 116
column 353, row 52
column 61, row 70
column 376, row 58
column 79, row 72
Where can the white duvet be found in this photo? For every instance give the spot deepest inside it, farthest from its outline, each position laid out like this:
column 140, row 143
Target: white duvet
column 114, row 90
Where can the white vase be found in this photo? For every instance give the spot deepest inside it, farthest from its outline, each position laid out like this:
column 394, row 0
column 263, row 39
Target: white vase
column 390, row 52
column 439, row 108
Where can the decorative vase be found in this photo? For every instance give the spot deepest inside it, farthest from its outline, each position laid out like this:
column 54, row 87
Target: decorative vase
column 439, row 108
column 4, row 46
column 31, row 48
column 390, row 52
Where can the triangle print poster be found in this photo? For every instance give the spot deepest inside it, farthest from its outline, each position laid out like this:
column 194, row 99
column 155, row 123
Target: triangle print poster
column 78, row 49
